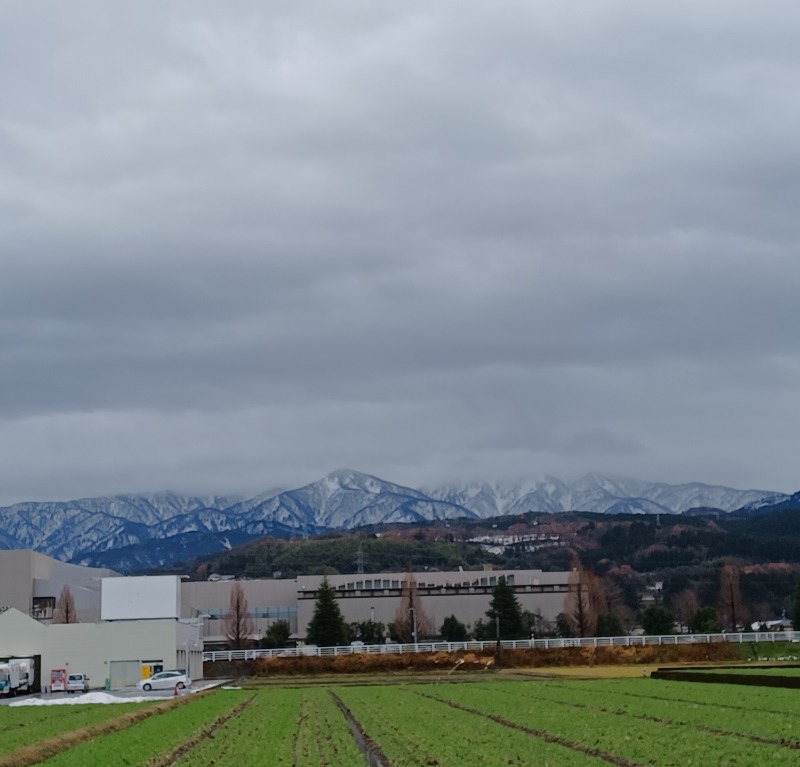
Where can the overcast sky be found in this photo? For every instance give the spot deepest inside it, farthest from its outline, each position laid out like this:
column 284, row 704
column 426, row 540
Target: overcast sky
column 248, row 243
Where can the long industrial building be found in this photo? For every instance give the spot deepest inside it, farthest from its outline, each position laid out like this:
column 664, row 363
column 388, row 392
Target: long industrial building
column 374, row 596
column 126, row 626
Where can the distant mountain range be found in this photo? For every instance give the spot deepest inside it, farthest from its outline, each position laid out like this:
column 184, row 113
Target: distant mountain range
column 133, row 532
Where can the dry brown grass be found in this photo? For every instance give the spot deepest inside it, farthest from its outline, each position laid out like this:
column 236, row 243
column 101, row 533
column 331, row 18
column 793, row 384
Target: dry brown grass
column 459, row 662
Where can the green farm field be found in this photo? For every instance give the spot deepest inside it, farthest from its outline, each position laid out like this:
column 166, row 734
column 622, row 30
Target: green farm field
column 793, row 671
column 490, row 722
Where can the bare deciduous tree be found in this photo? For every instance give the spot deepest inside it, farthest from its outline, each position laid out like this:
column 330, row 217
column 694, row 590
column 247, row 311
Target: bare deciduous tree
column 731, row 610
column 585, row 599
column 238, row 624
column 65, row 611
column 410, row 614
column 684, row 606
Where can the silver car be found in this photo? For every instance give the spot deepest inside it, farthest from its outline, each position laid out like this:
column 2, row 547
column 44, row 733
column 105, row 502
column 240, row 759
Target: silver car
column 165, row 680
column 77, row 683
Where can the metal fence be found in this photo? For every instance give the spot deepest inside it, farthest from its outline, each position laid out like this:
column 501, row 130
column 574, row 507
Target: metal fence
column 511, row 644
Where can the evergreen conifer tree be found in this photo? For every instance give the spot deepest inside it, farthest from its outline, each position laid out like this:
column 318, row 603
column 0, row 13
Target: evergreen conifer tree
column 453, row 630
column 796, row 606
column 505, row 613
column 327, row 627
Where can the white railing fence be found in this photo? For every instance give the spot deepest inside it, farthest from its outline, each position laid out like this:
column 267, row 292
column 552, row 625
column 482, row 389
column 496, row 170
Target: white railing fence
column 509, row 644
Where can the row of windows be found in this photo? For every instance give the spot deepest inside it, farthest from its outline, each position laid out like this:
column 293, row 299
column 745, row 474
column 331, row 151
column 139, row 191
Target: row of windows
column 377, row 583
column 280, row 611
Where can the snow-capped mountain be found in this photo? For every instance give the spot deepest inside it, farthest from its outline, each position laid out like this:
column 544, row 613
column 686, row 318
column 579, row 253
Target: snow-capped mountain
column 345, row 499
column 598, row 493
column 157, row 529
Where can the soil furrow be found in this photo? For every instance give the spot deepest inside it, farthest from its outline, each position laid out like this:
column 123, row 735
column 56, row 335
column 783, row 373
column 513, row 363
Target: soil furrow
column 207, row 732
column 541, row 734
column 782, row 742
column 371, row 750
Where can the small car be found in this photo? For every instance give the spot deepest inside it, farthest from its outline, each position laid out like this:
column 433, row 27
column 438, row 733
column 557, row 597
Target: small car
column 165, row 680
column 77, row 683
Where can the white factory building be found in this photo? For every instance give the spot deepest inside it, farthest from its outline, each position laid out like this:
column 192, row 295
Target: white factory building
column 127, row 628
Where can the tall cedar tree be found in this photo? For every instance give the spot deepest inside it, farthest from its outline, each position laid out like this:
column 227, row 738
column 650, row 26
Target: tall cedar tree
column 327, row 627
column 65, row 611
column 238, row 624
column 505, row 607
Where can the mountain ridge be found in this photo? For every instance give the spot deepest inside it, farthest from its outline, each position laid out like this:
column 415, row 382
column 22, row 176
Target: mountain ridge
column 84, row 529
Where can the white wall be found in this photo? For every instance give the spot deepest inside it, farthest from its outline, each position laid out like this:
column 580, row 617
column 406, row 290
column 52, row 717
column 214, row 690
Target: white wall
column 89, row 648
column 139, row 598
column 20, row 635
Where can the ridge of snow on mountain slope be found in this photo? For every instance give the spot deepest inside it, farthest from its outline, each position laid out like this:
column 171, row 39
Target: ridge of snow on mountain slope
column 340, row 500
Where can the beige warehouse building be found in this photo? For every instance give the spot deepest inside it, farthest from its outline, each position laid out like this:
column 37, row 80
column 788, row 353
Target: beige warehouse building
column 130, row 625
column 375, row 596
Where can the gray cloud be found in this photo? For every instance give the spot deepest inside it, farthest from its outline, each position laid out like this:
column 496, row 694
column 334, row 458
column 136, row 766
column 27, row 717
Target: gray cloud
column 246, row 244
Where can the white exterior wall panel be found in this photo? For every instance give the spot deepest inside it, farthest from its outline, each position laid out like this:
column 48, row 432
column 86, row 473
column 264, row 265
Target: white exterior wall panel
column 141, row 598
column 91, row 648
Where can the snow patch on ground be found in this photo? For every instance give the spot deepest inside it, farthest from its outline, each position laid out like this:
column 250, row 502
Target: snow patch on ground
column 89, row 697
column 104, row 697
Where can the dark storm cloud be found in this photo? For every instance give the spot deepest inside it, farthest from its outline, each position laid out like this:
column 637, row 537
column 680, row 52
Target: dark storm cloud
column 246, row 244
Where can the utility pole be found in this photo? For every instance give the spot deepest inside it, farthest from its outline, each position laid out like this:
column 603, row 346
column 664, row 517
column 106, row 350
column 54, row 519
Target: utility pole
column 497, row 656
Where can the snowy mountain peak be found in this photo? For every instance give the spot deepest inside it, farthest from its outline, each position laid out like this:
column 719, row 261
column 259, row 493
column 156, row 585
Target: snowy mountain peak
column 74, row 530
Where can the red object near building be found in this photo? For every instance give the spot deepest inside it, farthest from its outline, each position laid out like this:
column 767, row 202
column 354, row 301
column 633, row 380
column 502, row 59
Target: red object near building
column 58, row 680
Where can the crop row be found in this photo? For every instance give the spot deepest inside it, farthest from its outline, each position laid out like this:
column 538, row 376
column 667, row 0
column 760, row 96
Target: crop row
column 735, row 721
column 775, row 700
column 412, row 730
column 151, row 737
column 282, row 728
column 637, row 740
column 26, row 725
